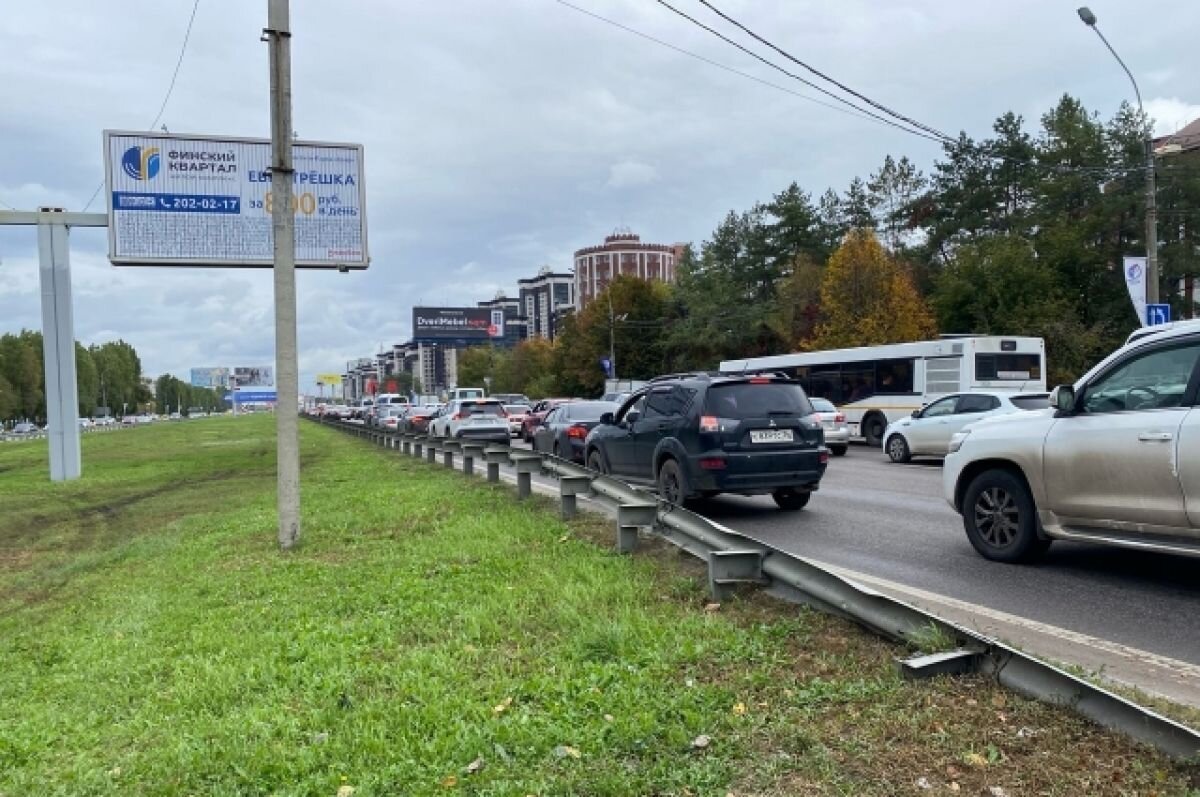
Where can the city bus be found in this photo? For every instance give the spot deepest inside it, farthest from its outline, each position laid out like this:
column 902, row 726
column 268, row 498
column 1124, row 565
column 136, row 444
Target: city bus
column 875, row 385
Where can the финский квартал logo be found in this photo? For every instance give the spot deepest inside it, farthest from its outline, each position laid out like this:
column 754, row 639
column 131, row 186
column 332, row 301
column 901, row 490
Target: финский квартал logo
column 140, row 163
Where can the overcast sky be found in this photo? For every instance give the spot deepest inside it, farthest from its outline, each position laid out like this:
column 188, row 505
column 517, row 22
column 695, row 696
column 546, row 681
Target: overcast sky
column 501, row 135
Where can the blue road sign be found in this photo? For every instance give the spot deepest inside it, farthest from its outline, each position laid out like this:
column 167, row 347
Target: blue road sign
column 1158, row 314
column 606, row 366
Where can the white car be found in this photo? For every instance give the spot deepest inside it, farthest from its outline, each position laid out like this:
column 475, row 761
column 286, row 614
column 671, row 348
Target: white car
column 475, row 419
column 927, row 433
column 1116, row 460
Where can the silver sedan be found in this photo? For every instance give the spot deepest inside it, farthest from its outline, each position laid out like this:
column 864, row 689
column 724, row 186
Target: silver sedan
column 833, row 421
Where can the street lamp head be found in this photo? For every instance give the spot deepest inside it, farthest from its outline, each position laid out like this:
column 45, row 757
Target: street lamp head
column 1087, row 16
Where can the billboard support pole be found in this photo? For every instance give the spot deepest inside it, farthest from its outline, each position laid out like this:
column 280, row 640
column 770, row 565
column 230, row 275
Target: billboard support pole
column 58, row 331
column 283, row 223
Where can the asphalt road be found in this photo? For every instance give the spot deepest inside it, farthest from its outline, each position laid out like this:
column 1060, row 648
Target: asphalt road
column 889, row 521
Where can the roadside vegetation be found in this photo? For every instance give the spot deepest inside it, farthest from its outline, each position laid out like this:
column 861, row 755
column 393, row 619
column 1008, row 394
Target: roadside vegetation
column 432, row 636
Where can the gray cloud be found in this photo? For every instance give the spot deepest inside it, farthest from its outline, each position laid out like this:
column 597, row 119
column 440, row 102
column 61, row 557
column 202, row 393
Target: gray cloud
column 501, row 136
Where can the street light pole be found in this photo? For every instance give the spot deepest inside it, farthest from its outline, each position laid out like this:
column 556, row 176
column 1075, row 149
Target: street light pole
column 1089, row 19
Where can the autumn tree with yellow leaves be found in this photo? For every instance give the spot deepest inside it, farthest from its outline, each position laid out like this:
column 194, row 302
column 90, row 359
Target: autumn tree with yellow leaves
column 869, row 298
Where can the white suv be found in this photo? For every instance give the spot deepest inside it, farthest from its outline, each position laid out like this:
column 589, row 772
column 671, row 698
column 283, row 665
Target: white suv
column 1116, row 460
column 474, row 419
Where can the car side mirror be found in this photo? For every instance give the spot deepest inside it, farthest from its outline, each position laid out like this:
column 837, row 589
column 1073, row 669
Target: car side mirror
column 1062, row 398
column 607, row 419
column 916, row 413
column 632, row 417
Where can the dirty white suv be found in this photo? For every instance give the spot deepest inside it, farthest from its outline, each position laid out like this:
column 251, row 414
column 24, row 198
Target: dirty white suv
column 1115, row 460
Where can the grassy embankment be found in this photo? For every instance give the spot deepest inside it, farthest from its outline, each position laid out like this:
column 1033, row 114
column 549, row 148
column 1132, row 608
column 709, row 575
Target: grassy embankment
column 431, row 636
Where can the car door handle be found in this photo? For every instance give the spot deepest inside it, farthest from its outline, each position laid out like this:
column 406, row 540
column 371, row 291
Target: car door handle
column 1156, row 437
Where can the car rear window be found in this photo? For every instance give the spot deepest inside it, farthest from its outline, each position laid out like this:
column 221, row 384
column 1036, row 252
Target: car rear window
column 483, row 407
column 1039, row 402
column 589, row 410
column 517, row 409
column 822, row 405
column 741, row 400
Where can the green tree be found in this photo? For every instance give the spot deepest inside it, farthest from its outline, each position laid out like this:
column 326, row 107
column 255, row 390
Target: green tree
column 633, row 327
column 86, row 379
column 868, row 298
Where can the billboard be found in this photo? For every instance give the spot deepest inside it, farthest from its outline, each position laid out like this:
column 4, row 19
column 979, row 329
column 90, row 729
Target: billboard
column 329, row 379
column 459, row 326
column 210, row 377
column 254, row 377
column 206, row 201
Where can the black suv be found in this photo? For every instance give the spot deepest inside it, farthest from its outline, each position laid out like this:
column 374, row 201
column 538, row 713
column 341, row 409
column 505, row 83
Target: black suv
column 696, row 435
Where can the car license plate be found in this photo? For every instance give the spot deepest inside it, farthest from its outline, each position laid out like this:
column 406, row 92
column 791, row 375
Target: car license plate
column 771, row 436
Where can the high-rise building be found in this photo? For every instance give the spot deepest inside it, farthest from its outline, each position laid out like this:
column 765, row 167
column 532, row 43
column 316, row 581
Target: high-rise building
column 542, row 298
column 621, row 253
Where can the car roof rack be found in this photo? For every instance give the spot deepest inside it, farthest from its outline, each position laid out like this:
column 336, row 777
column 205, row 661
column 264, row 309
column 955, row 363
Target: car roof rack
column 710, row 375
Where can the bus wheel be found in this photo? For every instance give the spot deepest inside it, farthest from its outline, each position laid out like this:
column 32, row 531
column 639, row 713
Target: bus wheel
column 873, row 426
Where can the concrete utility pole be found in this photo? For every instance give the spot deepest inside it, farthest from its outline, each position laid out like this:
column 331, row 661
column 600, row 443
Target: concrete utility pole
column 1089, row 19
column 283, row 223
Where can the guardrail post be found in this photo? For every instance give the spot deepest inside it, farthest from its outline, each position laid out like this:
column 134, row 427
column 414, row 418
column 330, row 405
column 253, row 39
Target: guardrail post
column 527, row 463
column 495, row 456
column 405, row 444
column 416, row 447
column 449, row 447
column 726, row 569
column 631, row 519
column 431, row 451
column 568, row 488
column 471, row 452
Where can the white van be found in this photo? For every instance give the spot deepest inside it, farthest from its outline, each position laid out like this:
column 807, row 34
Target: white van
column 390, row 398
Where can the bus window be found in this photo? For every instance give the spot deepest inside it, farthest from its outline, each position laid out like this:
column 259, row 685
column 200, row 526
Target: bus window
column 858, row 381
column 1008, row 367
column 894, row 376
column 824, row 381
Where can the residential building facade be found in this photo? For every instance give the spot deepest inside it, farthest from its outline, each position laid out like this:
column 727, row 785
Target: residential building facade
column 622, row 253
column 542, row 298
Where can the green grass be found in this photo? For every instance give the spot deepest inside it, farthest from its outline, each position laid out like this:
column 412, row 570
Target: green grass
column 154, row 641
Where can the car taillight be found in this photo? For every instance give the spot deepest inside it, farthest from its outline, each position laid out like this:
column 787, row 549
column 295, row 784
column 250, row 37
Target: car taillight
column 760, row 380
column 459, row 416
column 577, row 432
column 710, row 423
column 824, row 456
column 712, row 463
column 839, row 418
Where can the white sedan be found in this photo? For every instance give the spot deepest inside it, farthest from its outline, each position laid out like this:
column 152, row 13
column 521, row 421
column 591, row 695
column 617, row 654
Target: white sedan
column 927, row 433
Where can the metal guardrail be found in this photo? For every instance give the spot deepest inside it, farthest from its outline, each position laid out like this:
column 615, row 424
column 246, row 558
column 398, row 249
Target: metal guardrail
column 734, row 559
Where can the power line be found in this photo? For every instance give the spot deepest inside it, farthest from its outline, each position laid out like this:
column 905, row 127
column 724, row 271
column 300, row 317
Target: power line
column 187, row 35
column 935, row 137
column 711, row 62
column 880, row 106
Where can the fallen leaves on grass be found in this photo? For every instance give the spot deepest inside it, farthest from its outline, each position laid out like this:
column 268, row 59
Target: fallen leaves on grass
column 567, row 751
column 701, row 742
column 502, row 706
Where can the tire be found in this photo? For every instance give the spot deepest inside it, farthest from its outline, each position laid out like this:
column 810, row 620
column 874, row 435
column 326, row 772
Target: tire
column 595, row 461
column 1000, row 518
column 897, row 449
column 791, row 500
column 873, row 427
column 838, row 451
column 672, row 486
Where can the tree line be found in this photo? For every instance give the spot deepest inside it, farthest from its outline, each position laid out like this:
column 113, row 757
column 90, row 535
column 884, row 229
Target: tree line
column 1018, row 233
column 108, row 375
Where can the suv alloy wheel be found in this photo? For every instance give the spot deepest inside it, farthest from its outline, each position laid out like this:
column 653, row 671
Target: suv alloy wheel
column 1000, row 518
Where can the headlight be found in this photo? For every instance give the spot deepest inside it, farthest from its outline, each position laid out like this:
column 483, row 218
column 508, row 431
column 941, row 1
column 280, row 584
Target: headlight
column 957, row 440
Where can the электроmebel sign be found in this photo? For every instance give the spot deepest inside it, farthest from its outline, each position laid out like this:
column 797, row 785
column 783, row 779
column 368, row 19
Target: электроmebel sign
column 206, row 201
